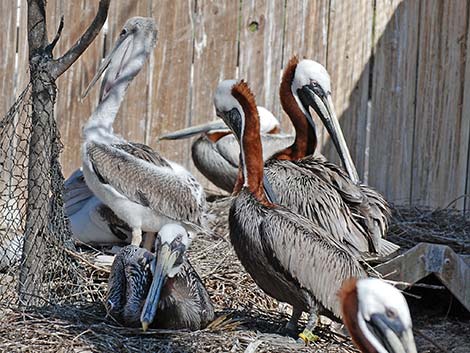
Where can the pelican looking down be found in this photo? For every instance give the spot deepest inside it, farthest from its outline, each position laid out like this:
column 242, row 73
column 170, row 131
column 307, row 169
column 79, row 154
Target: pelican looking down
column 288, row 256
column 142, row 188
column 216, row 153
column 308, row 184
column 377, row 316
column 161, row 289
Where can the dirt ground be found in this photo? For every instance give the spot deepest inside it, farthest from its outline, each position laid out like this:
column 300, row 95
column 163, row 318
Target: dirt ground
column 248, row 320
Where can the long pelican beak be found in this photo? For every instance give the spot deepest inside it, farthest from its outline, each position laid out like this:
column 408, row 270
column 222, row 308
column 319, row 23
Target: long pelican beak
column 122, row 44
column 314, row 96
column 160, row 267
column 392, row 334
column 193, row 130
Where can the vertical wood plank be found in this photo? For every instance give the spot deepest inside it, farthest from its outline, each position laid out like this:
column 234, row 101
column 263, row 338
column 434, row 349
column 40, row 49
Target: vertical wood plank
column 215, row 59
column 22, row 71
column 349, row 51
column 464, row 159
column 133, row 113
column 170, row 87
column 438, row 178
column 306, row 35
column 72, row 113
column 261, row 40
column 393, row 97
column 8, row 39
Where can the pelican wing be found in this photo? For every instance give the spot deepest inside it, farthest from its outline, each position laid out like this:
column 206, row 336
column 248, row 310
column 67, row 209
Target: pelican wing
column 176, row 195
column 307, row 194
column 76, row 192
column 309, row 255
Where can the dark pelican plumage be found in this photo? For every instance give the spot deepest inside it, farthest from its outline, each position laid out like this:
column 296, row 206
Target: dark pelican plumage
column 377, row 316
column 216, row 153
column 308, row 184
column 142, row 188
column 159, row 289
column 288, row 256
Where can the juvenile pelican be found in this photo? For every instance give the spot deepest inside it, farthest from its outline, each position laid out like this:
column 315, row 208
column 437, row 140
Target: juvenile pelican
column 161, row 289
column 143, row 189
column 91, row 221
column 308, row 184
column 216, row 153
column 288, row 256
column 377, row 316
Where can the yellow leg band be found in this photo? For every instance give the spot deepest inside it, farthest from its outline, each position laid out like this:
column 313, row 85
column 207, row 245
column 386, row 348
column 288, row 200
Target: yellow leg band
column 308, row 336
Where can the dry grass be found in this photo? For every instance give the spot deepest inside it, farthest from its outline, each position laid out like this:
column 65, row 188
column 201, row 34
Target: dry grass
column 248, row 319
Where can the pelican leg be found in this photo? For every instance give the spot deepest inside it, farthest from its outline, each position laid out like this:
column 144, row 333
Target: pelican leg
column 136, row 236
column 149, row 240
column 291, row 327
column 307, row 335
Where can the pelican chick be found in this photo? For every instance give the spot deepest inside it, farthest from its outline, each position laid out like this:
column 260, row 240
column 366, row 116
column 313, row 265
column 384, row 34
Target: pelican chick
column 159, row 289
column 216, row 153
column 377, row 316
column 143, row 189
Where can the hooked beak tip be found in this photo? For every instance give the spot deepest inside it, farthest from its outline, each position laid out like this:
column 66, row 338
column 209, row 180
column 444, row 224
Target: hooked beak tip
column 145, row 326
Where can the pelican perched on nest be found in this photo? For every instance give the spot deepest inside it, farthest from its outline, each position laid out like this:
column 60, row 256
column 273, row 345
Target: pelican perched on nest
column 308, row 184
column 289, row 257
column 377, row 316
column 142, row 188
column 161, row 289
column 216, row 153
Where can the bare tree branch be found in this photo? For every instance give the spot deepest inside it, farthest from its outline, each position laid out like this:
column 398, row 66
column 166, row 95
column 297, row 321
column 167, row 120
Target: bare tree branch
column 51, row 46
column 37, row 31
column 60, row 65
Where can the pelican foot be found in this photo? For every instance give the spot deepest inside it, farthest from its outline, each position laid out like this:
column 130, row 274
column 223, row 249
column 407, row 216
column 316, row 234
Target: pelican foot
column 307, row 336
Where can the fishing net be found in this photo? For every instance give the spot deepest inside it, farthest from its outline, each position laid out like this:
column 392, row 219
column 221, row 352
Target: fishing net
column 38, row 262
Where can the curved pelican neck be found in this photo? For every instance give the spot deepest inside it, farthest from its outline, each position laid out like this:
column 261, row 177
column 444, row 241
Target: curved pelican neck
column 305, row 141
column 251, row 153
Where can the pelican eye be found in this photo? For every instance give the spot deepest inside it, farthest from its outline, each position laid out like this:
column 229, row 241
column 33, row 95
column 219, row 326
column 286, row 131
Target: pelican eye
column 391, row 314
column 179, row 238
column 123, row 32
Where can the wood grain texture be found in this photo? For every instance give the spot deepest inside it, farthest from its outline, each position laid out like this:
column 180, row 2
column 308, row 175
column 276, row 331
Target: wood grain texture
column 349, row 51
column 306, row 35
column 393, row 97
column 261, row 40
column 8, row 39
column 215, row 59
column 437, row 176
column 70, row 111
column 170, row 86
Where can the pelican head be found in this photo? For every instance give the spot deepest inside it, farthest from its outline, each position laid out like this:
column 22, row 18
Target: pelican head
column 228, row 108
column 382, row 319
column 136, row 41
column 170, row 246
column 311, row 88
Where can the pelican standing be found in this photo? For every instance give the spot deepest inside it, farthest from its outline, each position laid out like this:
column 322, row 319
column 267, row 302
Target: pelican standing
column 289, row 257
column 308, row 184
column 161, row 289
column 216, row 153
column 143, row 189
column 377, row 316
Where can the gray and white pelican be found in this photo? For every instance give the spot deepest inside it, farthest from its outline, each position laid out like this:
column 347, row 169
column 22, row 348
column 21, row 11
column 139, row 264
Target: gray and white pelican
column 142, row 188
column 308, row 184
column 91, row 221
column 216, row 153
column 160, row 289
column 287, row 255
column 377, row 316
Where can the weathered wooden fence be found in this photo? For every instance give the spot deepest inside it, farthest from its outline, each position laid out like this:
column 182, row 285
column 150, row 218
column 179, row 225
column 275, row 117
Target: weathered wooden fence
column 401, row 81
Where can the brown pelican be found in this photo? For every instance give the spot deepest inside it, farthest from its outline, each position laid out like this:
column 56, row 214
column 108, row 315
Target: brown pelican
column 143, row 189
column 161, row 289
column 311, row 186
column 377, row 316
column 91, row 221
column 216, row 153
column 288, row 256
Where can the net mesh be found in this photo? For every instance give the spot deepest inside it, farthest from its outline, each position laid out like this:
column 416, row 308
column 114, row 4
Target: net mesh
column 39, row 265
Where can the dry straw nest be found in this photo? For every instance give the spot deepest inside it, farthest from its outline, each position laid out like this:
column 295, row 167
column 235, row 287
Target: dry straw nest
column 247, row 318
